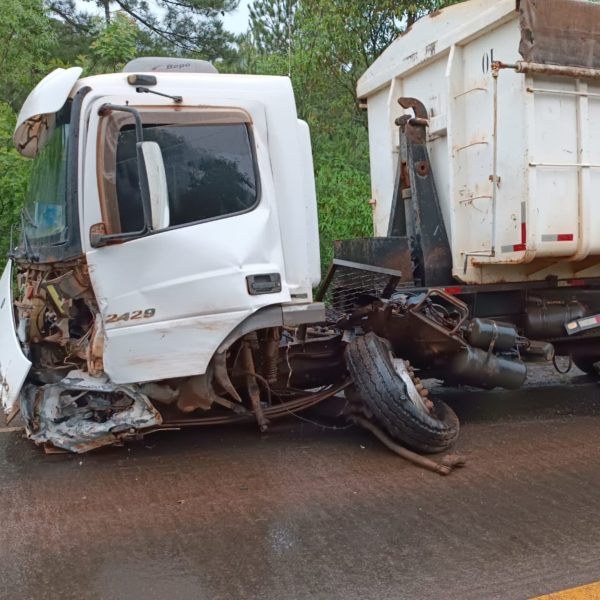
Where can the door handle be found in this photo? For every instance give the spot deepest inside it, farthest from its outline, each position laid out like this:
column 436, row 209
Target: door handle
column 269, row 283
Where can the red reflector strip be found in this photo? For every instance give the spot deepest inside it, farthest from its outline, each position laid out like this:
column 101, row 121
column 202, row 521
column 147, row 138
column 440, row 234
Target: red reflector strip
column 560, row 237
column 453, row 290
column 577, row 282
column 522, row 247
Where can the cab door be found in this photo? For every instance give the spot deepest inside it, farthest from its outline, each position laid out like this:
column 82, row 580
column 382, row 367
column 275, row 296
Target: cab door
column 168, row 299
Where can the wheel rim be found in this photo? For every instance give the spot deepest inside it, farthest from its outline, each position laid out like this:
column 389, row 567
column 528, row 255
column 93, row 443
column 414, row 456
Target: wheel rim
column 414, row 394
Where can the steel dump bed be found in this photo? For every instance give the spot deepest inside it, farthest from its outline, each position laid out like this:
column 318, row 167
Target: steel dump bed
column 512, row 92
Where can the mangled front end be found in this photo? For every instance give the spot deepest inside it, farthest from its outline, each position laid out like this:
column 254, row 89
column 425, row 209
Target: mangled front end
column 81, row 412
column 51, row 363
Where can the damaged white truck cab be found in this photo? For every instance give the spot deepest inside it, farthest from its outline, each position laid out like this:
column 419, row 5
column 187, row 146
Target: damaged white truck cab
column 171, row 210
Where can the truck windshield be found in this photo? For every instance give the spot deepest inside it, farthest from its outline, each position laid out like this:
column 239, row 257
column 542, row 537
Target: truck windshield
column 46, row 200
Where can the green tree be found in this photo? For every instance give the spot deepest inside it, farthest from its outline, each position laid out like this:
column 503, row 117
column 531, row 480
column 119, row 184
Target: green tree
column 190, row 27
column 114, row 45
column 26, row 45
column 272, row 25
column 14, row 173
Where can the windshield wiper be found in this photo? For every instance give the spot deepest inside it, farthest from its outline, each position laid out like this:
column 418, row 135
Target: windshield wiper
column 28, row 252
column 145, row 90
column 25, row 213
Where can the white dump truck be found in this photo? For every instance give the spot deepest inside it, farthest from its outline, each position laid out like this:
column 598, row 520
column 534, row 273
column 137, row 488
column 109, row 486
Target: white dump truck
column 168, row 244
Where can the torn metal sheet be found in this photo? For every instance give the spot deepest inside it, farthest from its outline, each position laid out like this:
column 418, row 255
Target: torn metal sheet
column 81, row 412
column 14, row 365
column 560, row 32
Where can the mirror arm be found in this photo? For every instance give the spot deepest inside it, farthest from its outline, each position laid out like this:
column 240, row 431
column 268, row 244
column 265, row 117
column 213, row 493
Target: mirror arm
column 99, row 239
column 105, row 109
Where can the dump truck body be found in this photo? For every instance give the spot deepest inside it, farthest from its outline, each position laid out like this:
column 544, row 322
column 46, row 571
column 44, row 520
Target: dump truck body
column 515, row 153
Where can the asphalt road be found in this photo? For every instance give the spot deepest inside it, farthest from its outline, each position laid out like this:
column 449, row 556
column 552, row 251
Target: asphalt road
column 304, row 512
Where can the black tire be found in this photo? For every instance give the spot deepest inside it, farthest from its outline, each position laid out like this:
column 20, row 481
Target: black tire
column 587, row 364
column 385, row 394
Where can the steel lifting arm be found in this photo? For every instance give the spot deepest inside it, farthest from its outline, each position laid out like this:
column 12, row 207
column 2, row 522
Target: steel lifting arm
column 420, row 219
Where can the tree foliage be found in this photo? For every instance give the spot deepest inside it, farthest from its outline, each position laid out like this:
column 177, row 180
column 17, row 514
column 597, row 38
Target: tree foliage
column 115, row 44
column 27, row 41
column 14, row 173
column 272, row 25
column 170, row 26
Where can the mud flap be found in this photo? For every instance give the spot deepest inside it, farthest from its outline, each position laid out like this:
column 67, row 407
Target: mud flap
column 14, row 365
column 81, row 412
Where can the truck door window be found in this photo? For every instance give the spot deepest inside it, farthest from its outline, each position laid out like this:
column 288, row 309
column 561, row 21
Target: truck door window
column 210, row 168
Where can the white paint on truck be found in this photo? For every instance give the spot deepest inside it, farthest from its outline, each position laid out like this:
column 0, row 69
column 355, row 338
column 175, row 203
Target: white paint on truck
column 14, row 365
column 36, row 117
column 194, row 277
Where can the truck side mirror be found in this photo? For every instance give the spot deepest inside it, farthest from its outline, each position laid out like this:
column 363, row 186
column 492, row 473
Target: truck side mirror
column 156, row 177
column 153, row 187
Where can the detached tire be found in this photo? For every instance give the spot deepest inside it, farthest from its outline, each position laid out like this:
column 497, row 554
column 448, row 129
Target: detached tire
column 385, row 393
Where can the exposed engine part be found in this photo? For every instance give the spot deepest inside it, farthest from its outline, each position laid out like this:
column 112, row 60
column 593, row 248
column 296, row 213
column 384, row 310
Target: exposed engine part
column 95, row 350
column 537, row 351
column 272, row 355
column 222, row 376
column 71, row 285
column 198, row 393
column 57, row 320
column 478, row 368
column 285, row 408
column 311, row 364
column 433, row 332
column 159, row 393
column 547, row 319
column 251, row 383
column 82, row 412
column 491, row 335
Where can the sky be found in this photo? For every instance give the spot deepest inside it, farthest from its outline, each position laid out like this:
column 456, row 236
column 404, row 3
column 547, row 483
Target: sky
column 237, row 21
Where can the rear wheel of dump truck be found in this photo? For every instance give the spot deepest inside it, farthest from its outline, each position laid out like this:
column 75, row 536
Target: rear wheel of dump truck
column 388, row 388
column 587, row 364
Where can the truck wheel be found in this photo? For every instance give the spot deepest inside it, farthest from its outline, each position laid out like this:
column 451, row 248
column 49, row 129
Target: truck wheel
column 387, row 387
column 587, row 364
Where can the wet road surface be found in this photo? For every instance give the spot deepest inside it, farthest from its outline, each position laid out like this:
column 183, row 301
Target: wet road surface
column 310, row 513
